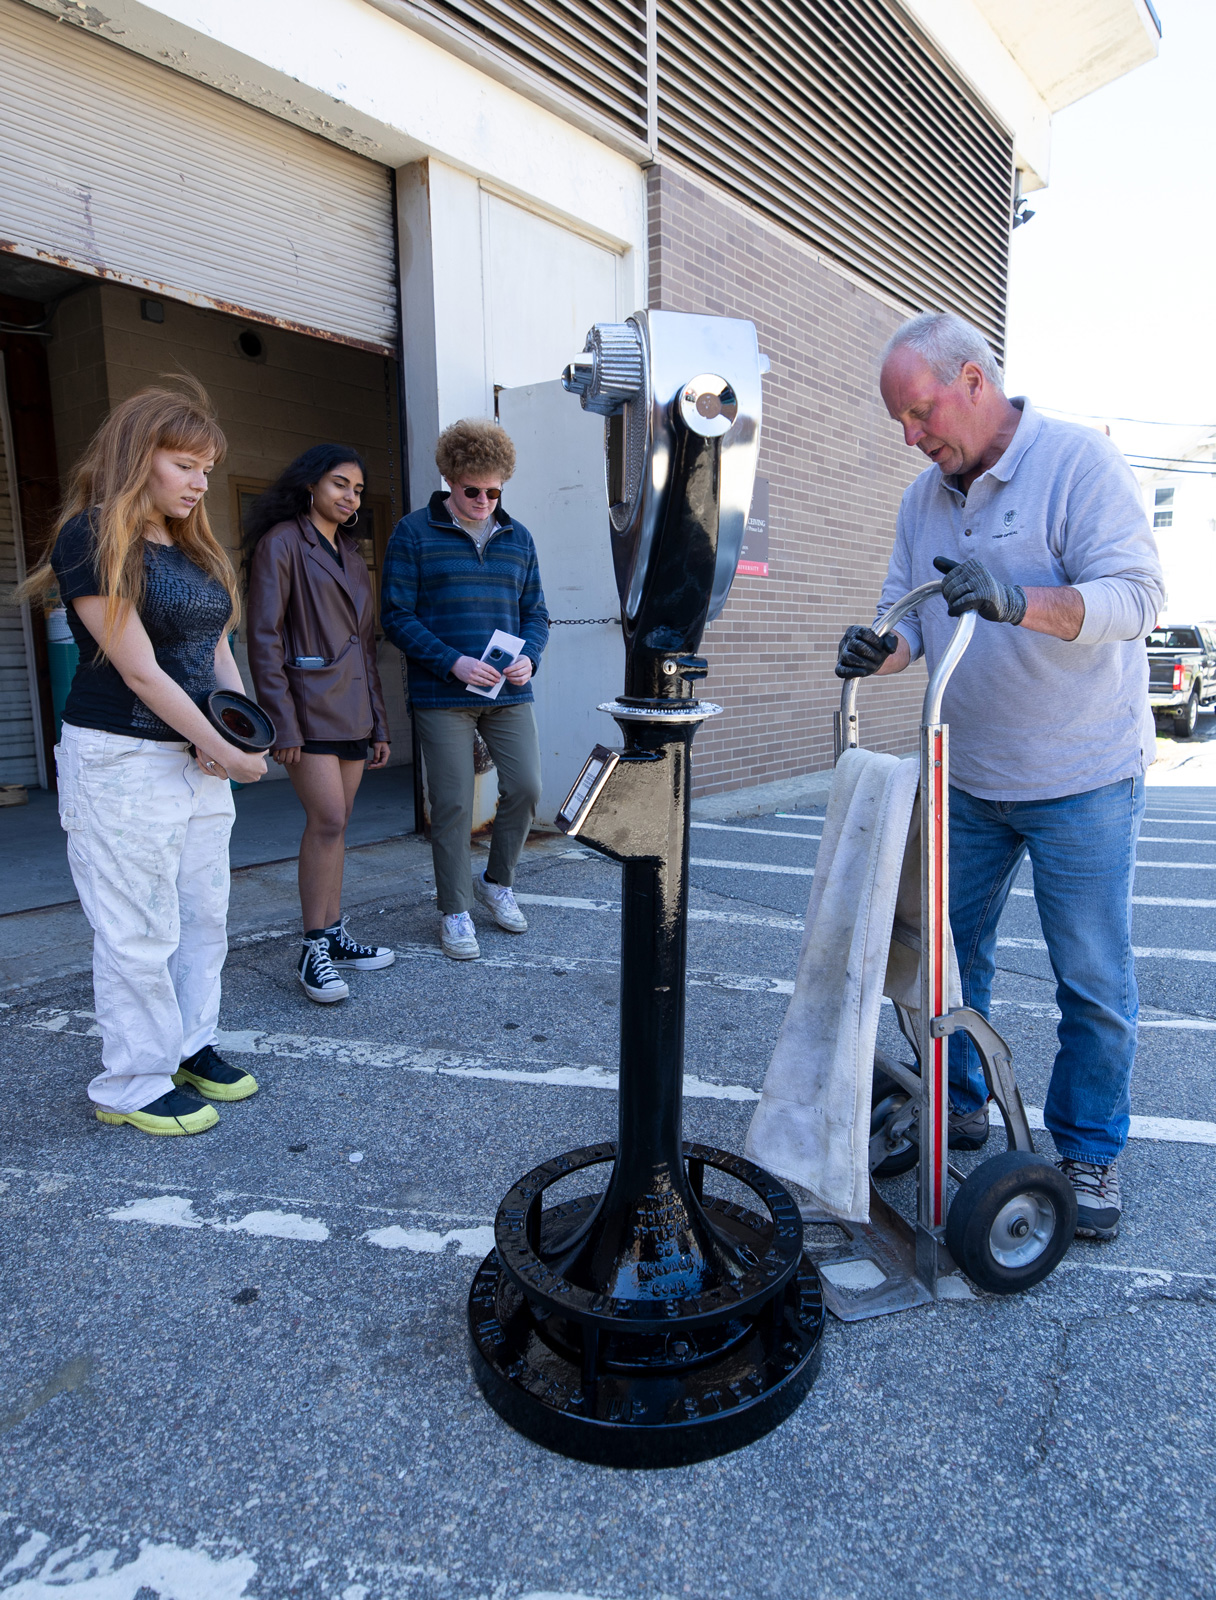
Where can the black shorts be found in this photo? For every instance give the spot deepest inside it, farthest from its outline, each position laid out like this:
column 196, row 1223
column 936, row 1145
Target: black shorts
column 344, row 749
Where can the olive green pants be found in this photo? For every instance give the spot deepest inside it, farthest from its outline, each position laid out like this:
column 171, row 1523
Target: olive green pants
column 446, row 737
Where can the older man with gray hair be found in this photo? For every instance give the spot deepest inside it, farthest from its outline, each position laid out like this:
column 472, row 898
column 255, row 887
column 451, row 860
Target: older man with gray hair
column 1038, row 527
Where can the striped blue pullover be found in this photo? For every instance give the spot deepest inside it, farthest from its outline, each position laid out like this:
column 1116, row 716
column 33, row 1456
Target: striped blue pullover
column 440, row 599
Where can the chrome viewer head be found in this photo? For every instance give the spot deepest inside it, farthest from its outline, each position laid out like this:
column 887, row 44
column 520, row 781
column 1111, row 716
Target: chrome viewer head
column 648, row 377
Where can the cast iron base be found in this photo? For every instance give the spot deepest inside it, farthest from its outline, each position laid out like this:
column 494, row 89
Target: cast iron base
column 654, row 1399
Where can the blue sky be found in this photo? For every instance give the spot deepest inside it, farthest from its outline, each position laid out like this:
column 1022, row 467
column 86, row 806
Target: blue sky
column 1112, row 305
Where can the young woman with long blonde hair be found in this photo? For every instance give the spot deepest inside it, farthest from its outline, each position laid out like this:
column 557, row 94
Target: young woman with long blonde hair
column 143, row 775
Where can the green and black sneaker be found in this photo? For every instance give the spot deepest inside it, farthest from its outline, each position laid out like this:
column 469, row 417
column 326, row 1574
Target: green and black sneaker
column 172, row 1113
column 211, row 1075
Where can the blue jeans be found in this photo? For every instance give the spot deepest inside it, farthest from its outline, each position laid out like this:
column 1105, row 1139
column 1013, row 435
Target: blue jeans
column 1082, row 848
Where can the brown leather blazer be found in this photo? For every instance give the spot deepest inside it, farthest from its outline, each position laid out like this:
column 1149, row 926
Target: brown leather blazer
column 302, row 603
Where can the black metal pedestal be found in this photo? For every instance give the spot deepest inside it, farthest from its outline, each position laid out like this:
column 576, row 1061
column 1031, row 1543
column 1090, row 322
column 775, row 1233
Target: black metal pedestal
column 648, row 1322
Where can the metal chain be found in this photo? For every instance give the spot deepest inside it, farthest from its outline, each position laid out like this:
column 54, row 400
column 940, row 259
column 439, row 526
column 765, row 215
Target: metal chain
column 581, row 622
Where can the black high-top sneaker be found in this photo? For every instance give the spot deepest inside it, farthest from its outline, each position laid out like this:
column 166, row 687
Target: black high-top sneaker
column 347, row 952
column 316, row 973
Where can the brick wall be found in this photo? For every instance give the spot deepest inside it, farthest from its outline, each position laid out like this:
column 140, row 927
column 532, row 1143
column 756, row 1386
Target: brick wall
column 837, row 466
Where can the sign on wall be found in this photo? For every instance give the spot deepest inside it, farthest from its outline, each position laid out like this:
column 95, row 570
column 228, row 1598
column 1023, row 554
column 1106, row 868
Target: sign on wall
column 753, row 558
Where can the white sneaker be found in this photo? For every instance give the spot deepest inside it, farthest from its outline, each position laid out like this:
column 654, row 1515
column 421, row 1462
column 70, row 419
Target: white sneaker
column 501, row 903
column 458, row 937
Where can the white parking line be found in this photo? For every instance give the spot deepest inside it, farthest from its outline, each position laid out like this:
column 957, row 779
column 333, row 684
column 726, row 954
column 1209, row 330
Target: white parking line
column 781, row 833
column 1169, row 1130
column 809, row 872
column 1148, row 838
column 177, row 1211
column 753, row 866
column 404, row 1058
column 372, row 1053
column 796, row 924
column 1172, row 900
column 739, row 919
column 1180, row 866
column 1141, row 952
column 769, row 833
column 1145, row 900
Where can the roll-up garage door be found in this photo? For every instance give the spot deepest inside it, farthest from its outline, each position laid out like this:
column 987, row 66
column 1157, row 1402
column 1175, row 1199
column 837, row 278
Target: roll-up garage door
column 115, row 166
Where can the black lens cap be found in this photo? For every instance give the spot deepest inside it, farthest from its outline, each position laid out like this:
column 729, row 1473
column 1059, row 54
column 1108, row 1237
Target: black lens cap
column 241, row 720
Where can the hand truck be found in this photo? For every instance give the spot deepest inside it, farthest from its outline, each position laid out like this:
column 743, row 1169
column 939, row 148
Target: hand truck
column 1014, row 1216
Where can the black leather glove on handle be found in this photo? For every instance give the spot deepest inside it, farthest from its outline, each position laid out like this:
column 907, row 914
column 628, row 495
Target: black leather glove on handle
column 969, row 586
column 862, row 652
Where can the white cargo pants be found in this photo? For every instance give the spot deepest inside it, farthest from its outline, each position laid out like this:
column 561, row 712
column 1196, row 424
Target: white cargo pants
column 148, row 847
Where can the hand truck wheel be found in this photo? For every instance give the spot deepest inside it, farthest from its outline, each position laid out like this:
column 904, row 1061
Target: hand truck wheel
column 886, row 1099
column 1011, row 1222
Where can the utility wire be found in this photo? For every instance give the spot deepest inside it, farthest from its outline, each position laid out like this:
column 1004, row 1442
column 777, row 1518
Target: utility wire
column 1182, row 461
column 1147, row 422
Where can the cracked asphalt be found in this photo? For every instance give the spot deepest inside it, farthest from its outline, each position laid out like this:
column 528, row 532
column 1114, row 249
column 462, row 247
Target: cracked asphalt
column 236, row 1365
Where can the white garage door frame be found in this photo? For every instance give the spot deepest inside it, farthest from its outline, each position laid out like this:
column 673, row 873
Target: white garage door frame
column 123, row 169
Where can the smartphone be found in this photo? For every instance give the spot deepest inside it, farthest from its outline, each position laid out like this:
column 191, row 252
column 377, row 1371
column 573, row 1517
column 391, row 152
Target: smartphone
column 498, row 658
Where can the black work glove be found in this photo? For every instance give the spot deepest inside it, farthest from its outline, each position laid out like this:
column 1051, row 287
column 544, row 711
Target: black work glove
column 862, row 651
column 969, row 586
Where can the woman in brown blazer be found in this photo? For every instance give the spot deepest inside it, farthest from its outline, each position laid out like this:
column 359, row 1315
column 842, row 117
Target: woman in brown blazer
column 312, row 656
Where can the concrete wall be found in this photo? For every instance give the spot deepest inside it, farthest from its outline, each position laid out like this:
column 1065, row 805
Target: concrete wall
column 837, row 466
column 299, row 392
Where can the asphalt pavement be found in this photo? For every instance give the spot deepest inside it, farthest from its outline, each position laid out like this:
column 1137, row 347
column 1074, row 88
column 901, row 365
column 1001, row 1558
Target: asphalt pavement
column 236, row 1365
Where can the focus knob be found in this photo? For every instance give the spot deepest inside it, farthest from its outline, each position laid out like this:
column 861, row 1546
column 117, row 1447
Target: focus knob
column 610, row 370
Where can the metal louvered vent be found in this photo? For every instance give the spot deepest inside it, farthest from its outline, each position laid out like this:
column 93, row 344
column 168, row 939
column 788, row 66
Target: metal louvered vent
column 834, row 119
column 592, row 50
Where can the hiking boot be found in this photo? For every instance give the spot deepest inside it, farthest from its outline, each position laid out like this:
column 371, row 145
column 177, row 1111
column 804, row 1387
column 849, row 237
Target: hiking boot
column 347, row 952
column 458, row 937
column 172, row 1113
column 211, row 1075
column 1099, row 1207
column 316, row 973
column 968, row 1130
column 501, row 904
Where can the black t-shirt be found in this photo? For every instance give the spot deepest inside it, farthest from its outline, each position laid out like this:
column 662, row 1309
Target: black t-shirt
column 333, row 549
column 183, row 610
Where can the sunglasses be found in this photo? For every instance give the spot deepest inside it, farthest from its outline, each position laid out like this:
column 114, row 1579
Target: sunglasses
column 471, row 494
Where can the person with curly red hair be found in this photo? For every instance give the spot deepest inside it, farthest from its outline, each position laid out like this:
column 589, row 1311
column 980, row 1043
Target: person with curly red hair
column 455, row 571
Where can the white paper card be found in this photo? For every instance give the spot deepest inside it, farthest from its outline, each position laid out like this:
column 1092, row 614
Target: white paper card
column 498, row 641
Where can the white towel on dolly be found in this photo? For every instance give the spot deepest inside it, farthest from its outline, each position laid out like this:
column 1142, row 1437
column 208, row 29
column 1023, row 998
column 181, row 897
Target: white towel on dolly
column 862, row 939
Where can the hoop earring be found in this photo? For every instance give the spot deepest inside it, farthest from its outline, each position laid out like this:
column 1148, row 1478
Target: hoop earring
column 310, row 499
column 352, row 521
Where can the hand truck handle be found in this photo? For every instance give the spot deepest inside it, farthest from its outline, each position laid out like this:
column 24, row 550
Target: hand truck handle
column 847, row 731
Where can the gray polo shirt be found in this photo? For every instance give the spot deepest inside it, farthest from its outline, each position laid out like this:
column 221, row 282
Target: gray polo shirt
column 1032, row 717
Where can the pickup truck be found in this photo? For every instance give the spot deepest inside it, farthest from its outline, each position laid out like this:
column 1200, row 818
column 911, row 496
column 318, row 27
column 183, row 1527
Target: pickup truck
column 1181, row 672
